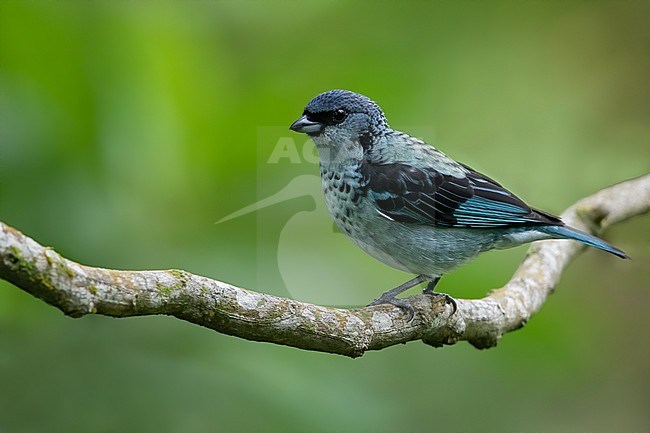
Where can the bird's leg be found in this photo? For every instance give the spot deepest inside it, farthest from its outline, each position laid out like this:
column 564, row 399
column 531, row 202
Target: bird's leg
column 389, row 297
column 430, row 290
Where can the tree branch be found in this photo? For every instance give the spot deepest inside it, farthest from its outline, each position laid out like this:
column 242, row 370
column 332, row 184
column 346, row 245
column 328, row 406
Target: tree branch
column 77, row 290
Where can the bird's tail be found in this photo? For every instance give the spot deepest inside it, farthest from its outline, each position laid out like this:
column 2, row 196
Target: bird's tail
column 566, row 232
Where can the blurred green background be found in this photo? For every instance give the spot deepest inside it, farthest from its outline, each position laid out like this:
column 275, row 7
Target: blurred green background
column 127, row 128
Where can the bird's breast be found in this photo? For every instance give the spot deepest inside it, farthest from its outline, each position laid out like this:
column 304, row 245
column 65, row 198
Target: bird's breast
column 344, row 198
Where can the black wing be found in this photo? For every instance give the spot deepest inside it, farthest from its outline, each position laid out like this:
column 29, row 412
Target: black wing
column 426, row 196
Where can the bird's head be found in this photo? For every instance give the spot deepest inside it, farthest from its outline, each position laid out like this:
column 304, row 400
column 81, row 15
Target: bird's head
column 342, row 123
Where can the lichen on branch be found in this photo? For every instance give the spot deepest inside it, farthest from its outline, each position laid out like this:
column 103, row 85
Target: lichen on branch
column 78, row 290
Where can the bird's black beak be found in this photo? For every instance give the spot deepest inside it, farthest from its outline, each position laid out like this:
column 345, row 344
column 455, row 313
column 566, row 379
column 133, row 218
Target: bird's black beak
column 306, row 126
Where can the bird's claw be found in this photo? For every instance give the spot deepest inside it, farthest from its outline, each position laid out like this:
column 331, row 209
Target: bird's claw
column 448, row 299
column 399, row 303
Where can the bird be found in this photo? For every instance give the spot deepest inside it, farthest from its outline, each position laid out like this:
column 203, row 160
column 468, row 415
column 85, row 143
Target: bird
column 409, row 205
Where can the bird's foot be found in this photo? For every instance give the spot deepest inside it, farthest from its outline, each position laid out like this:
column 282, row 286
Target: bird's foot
column 399, row 303
column 448, row 299
column 390, row 297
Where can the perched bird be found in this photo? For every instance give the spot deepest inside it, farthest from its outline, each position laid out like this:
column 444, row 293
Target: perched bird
column 409, row 205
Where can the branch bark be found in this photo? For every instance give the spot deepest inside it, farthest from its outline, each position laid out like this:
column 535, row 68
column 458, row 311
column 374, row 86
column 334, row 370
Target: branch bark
column 78, row 290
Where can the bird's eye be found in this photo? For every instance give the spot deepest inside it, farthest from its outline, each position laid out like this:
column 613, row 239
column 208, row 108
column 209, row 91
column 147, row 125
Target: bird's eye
column 339, row 115
column 328, row 117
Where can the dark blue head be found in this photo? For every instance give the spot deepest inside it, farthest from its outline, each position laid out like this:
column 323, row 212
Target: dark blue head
column 340, row 114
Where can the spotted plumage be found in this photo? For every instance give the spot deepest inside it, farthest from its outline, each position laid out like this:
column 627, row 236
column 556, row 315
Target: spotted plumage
column 409, row 205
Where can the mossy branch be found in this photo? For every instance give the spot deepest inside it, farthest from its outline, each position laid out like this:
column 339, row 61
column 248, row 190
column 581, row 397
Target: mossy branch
column 78, row 290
